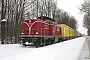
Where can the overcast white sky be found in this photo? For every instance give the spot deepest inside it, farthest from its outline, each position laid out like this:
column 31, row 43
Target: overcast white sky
column 71, row 6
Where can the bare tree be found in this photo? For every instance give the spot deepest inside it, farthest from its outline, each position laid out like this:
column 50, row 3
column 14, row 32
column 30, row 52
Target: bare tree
column 41, row 8
column 86, row 23
column 72, row 22
column 85, row 8
column 3, row 14
column 65, row 18
column 12, row 10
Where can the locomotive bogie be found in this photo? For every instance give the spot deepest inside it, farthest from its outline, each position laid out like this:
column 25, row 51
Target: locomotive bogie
column 26, row 41
column 39, row 41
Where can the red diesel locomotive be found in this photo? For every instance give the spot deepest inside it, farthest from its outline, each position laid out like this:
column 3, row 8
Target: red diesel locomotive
column 39, row 32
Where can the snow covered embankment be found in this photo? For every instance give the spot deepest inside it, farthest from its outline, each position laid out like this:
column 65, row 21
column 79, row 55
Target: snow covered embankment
column 85, row 52
column 68, row 50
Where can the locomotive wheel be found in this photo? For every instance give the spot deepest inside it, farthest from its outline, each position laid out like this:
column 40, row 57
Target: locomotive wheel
column 38, row 43
column 24, row 45
column 52, row 41
column 48, row 42
column 59, row 40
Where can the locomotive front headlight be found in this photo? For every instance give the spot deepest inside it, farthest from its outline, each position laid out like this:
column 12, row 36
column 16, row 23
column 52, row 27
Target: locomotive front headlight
column 22, row 38
column 36, row 32
column 22, row 33
column 27, row 43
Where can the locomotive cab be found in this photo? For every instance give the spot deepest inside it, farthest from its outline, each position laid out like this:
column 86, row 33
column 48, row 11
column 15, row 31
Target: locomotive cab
column 46, row 19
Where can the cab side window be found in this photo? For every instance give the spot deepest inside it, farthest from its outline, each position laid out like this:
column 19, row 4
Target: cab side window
column 47, row 20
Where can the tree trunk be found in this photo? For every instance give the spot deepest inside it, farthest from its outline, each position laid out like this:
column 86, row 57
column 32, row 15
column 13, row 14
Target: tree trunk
column 88, row 31
column 2, row 25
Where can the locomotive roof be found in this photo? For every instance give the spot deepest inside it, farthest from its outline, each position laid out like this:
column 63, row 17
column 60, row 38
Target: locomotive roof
column 44, row 17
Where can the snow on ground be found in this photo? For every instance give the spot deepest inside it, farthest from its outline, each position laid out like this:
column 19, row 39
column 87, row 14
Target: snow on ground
column 85, row 53
column 67, row 50
column 0, row 41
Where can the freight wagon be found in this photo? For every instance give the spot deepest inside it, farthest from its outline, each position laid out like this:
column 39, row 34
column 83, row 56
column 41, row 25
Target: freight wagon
column 66, row 31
